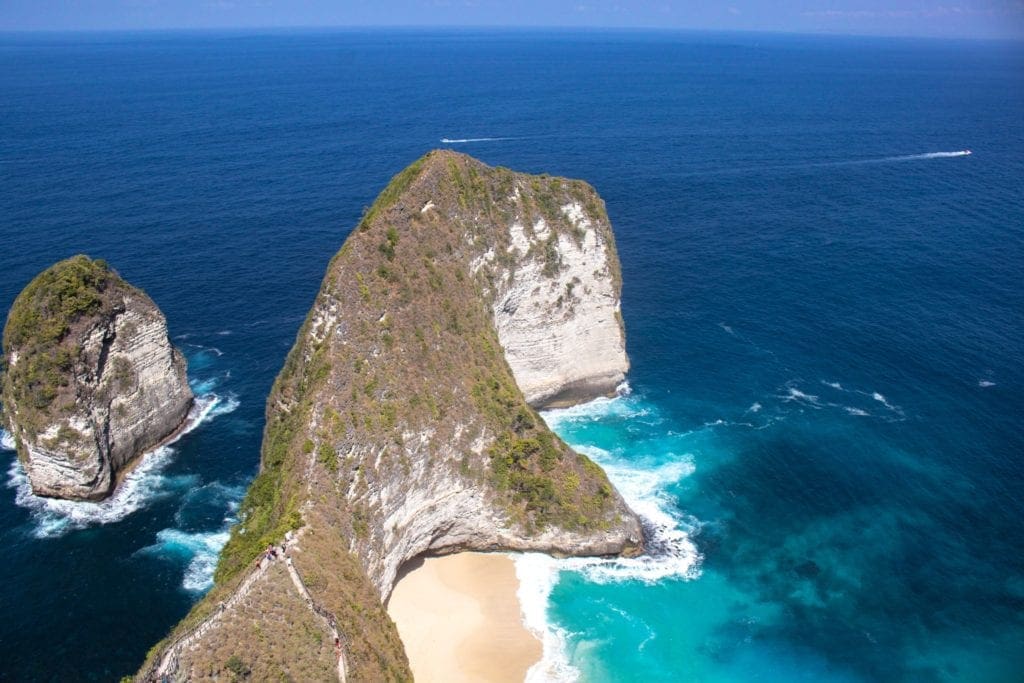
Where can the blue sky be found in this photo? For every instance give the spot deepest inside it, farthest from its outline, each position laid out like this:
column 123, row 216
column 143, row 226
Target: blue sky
column 951, row 18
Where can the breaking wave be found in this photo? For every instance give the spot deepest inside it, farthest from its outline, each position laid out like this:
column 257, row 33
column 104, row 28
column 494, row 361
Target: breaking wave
column 794, row 395
column 143, row 484
column 670, row 551
column 197, row 550
column 538, row 575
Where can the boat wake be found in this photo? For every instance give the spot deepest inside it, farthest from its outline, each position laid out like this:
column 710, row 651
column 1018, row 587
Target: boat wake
column 459, row 141
column 929, row 155
column 827, row 164
column 887, row 160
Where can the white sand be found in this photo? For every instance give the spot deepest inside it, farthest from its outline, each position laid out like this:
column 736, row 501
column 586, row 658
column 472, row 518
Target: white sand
column 460, row 620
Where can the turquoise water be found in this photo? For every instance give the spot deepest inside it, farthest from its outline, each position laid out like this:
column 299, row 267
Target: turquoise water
column 823, row 598
column 823, row 302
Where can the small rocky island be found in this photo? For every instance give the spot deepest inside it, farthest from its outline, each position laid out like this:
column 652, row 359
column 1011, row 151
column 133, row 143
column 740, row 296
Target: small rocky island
column 403, row 422
column 91, row 380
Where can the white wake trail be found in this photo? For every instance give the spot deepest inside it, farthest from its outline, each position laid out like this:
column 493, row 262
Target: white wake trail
column 458, row 141
column 930, row 155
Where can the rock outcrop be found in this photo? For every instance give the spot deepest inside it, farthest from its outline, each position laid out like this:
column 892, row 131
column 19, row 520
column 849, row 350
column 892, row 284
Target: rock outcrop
column 402, row 423
column 91, row 379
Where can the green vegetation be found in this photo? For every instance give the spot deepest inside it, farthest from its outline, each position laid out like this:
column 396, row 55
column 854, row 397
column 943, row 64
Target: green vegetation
column 237, row 667
column 37, row 331
column 391, row 193
column 409, row 375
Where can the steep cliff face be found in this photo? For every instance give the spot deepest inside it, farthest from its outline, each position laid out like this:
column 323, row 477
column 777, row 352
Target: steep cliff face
column 555, row 298
column 399, row 424
column 92, row 380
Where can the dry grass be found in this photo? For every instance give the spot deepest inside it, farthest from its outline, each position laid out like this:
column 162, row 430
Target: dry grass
column 400, row 340
column 271, row 635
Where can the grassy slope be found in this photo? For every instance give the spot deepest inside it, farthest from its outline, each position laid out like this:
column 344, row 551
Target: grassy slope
column 412, row 347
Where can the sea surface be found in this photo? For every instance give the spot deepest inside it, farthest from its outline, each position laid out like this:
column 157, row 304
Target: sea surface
column 824, row 421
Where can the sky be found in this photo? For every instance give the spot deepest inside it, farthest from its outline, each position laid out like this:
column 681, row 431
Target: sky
column 938, row 18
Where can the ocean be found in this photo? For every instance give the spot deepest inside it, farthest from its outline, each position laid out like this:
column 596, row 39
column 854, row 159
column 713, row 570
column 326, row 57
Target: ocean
column 823, row 297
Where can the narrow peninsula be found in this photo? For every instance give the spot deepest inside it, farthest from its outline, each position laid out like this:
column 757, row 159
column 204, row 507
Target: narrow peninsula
column 404, row 422
column 91, row 379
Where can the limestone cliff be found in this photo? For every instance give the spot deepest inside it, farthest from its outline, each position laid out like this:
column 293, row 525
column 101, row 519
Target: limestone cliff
column 92, row 380
column 399, row 425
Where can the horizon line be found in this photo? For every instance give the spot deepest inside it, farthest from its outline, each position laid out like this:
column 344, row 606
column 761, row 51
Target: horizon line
column 504, row 27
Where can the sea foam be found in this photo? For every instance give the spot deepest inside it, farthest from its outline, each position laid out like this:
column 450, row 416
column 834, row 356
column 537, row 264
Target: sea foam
column 537, row 576
column 198, row 549
column 669, row 554
column 145, row 483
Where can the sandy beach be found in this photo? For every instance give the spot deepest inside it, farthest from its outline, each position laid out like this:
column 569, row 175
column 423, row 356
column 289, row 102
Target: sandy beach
column 460, row 620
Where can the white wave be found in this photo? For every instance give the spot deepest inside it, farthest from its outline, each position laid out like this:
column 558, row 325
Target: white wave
column 201, row 550
column 598, row 409
column 794, row 394
column 7, row 441
column 54, row 517
column 205, row 408
column 670, row 552
column 884, row 401
column 142, row 485
column 856, row 411
column 220, row 406
column 727, row 328
column 217, row 494
column 198, row 550
column 835, row 385
column 456, row 141
column 537, row 576
column 200, row 348
column 984, row 383
column 205, row 386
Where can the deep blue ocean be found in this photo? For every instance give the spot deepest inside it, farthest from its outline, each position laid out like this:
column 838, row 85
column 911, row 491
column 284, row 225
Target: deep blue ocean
column 824, row 312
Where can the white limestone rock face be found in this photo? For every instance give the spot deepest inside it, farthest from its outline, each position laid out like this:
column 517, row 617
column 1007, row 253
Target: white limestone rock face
column 401, row 423
column 542, row 256
column 123, row 391
column 557, row 310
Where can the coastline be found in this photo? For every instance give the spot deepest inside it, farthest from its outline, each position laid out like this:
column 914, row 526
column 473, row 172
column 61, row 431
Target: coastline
column 460, row 619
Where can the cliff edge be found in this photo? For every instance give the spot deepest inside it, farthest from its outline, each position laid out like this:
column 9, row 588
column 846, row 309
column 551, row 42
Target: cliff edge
column 91, row 379
column 401, row 423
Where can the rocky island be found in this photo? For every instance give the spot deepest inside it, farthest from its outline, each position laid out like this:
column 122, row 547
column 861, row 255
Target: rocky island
column 91, row 380
column 403, row 422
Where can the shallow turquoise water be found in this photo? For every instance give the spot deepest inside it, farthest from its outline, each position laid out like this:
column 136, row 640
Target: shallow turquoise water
column 823, row 310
